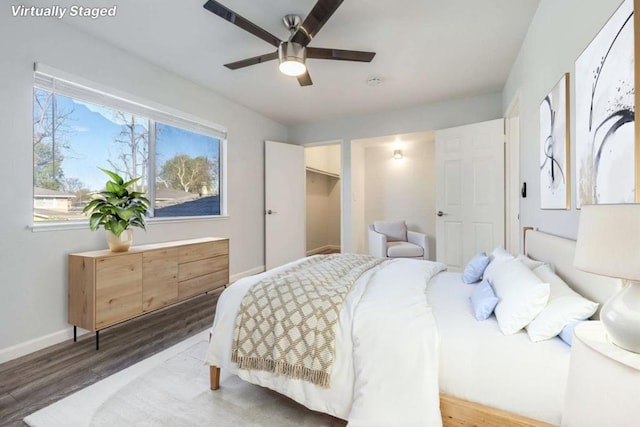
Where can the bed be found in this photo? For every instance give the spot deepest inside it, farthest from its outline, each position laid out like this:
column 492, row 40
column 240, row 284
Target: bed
column 461, row 371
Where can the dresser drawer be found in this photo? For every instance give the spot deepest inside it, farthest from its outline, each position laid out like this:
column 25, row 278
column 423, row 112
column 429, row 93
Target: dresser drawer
column 200, row 251
column 190, row 270
column 199, row 285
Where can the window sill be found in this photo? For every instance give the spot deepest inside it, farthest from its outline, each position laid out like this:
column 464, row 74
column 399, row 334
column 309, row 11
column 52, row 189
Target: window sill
column 83, row 225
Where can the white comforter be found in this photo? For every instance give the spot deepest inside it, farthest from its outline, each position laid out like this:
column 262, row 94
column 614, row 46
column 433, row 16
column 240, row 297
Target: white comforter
column 386, row 368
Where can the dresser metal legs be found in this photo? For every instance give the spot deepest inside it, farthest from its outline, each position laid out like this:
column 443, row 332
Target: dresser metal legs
column 75, row 337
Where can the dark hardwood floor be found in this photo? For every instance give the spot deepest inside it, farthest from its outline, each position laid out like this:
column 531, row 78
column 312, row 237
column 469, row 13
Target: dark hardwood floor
column 41, row 378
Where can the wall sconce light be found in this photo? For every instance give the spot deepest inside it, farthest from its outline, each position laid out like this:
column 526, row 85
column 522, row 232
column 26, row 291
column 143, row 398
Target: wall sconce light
column 397, row 154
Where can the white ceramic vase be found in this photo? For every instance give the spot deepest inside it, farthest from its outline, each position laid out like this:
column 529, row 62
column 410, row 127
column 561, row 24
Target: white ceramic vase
column 620, row 317
column 120, row 243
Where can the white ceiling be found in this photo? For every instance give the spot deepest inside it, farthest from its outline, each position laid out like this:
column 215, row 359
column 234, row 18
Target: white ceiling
column 427, row 50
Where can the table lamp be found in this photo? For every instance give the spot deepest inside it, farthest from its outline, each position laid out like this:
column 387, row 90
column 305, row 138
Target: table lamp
column 609, row 244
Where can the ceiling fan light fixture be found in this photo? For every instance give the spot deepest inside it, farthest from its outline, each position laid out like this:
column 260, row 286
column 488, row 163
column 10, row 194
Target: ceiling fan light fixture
column 292, row 58
column 292, row 68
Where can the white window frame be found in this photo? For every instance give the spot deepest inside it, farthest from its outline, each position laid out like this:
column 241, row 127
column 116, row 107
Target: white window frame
column 60, row 82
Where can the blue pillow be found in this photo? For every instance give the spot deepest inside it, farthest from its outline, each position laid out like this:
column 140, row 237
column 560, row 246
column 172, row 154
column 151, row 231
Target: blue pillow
column 483, row 300
column 475, row 268
column 567, row 332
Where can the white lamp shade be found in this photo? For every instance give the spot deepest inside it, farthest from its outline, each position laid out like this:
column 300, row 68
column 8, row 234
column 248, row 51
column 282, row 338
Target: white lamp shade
column 609, row 241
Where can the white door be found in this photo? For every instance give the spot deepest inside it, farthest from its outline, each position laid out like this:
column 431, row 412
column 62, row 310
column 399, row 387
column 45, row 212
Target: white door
column 470, row 191
column 284, row 189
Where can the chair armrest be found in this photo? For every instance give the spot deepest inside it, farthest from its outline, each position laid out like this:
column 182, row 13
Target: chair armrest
column 377, row 243
column 421, row 240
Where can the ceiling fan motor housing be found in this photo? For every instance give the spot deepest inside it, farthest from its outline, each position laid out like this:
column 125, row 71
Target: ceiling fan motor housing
column 289, row 52
column 292, row 22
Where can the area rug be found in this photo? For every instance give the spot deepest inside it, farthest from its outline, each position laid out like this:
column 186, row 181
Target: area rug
column 171, row 388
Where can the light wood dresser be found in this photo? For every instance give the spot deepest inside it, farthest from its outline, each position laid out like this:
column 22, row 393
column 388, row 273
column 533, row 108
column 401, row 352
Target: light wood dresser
column 106, row 288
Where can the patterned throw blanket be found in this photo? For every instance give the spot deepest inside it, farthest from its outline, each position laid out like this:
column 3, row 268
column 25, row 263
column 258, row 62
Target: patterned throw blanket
column 286, row 323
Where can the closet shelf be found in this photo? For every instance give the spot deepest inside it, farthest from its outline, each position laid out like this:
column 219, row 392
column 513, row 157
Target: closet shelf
column 332, row 175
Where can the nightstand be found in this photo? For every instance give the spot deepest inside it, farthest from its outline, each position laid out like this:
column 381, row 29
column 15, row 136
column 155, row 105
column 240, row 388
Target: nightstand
column 604, row 381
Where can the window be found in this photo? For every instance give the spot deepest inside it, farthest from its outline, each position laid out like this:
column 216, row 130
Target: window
column 187, row 173
column 77, row 131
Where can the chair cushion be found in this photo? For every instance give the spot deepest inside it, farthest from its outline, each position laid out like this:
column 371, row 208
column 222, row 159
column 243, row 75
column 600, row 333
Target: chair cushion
column 396, row 231
column 403, row 250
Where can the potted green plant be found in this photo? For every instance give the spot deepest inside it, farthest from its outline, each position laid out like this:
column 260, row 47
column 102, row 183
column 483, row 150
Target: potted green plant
column 116, row 209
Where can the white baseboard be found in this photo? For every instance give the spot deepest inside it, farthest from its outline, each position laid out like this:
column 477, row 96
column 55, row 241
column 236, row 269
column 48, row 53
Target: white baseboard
column 36, row 344
column 39, row 343
column 247, row 273
column 322, row 249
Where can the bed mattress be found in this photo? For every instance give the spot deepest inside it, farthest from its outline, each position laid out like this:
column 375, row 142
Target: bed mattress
column 480, row 364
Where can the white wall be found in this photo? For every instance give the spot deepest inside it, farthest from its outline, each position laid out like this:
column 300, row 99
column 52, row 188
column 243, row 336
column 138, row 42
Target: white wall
column 333, row 219
column 357, row 200
column 558, row 34
column 33, row 295
column 323, row 158
column 420, row 118
column 323, row 197
column 323, row 211
column 426, row 117
column 403, row 189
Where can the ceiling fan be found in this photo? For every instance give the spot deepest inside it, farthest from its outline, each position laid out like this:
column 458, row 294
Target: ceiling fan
column 293, row 52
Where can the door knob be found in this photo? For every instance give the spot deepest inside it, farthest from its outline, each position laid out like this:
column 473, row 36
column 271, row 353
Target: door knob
column 440, row 213
column 270, row 212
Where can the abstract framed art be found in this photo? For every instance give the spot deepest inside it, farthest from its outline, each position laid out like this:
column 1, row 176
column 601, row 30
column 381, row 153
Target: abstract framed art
column 554, row 148
column 607, row 155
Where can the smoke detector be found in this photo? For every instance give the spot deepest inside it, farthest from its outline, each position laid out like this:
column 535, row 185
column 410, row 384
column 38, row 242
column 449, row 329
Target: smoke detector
column 373, row 81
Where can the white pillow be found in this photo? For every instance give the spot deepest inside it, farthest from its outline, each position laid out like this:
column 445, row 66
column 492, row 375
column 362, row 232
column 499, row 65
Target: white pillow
column 498, row 256
column 531, row 263
column 500, row 252
column 522, row 296
column 565, row 306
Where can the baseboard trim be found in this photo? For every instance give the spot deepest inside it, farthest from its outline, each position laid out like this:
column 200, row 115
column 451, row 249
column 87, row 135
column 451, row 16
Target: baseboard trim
column 246, row 273
column 22, row 349
column 322, row 249
column 27, row 347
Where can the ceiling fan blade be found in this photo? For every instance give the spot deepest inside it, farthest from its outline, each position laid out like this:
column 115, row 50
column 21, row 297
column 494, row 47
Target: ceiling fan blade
column 339, row 54
column 225, row 13
column 305, row 79
column 318, row 16
column 252, row 61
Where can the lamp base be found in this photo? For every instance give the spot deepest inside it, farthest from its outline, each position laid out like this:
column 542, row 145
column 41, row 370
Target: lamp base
column 620, row 317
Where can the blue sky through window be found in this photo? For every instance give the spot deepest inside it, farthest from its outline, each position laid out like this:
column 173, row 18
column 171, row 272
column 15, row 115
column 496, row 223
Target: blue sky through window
column 94, row 128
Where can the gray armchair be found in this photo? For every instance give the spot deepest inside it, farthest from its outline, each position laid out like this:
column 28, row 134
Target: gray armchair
column 393, row 240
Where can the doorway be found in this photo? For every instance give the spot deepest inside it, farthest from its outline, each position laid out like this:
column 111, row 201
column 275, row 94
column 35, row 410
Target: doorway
column 393, row 179
column 323, row 199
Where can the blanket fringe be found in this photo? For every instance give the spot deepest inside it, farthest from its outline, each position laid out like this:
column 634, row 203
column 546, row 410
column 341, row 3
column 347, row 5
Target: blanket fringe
column 281, row 367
